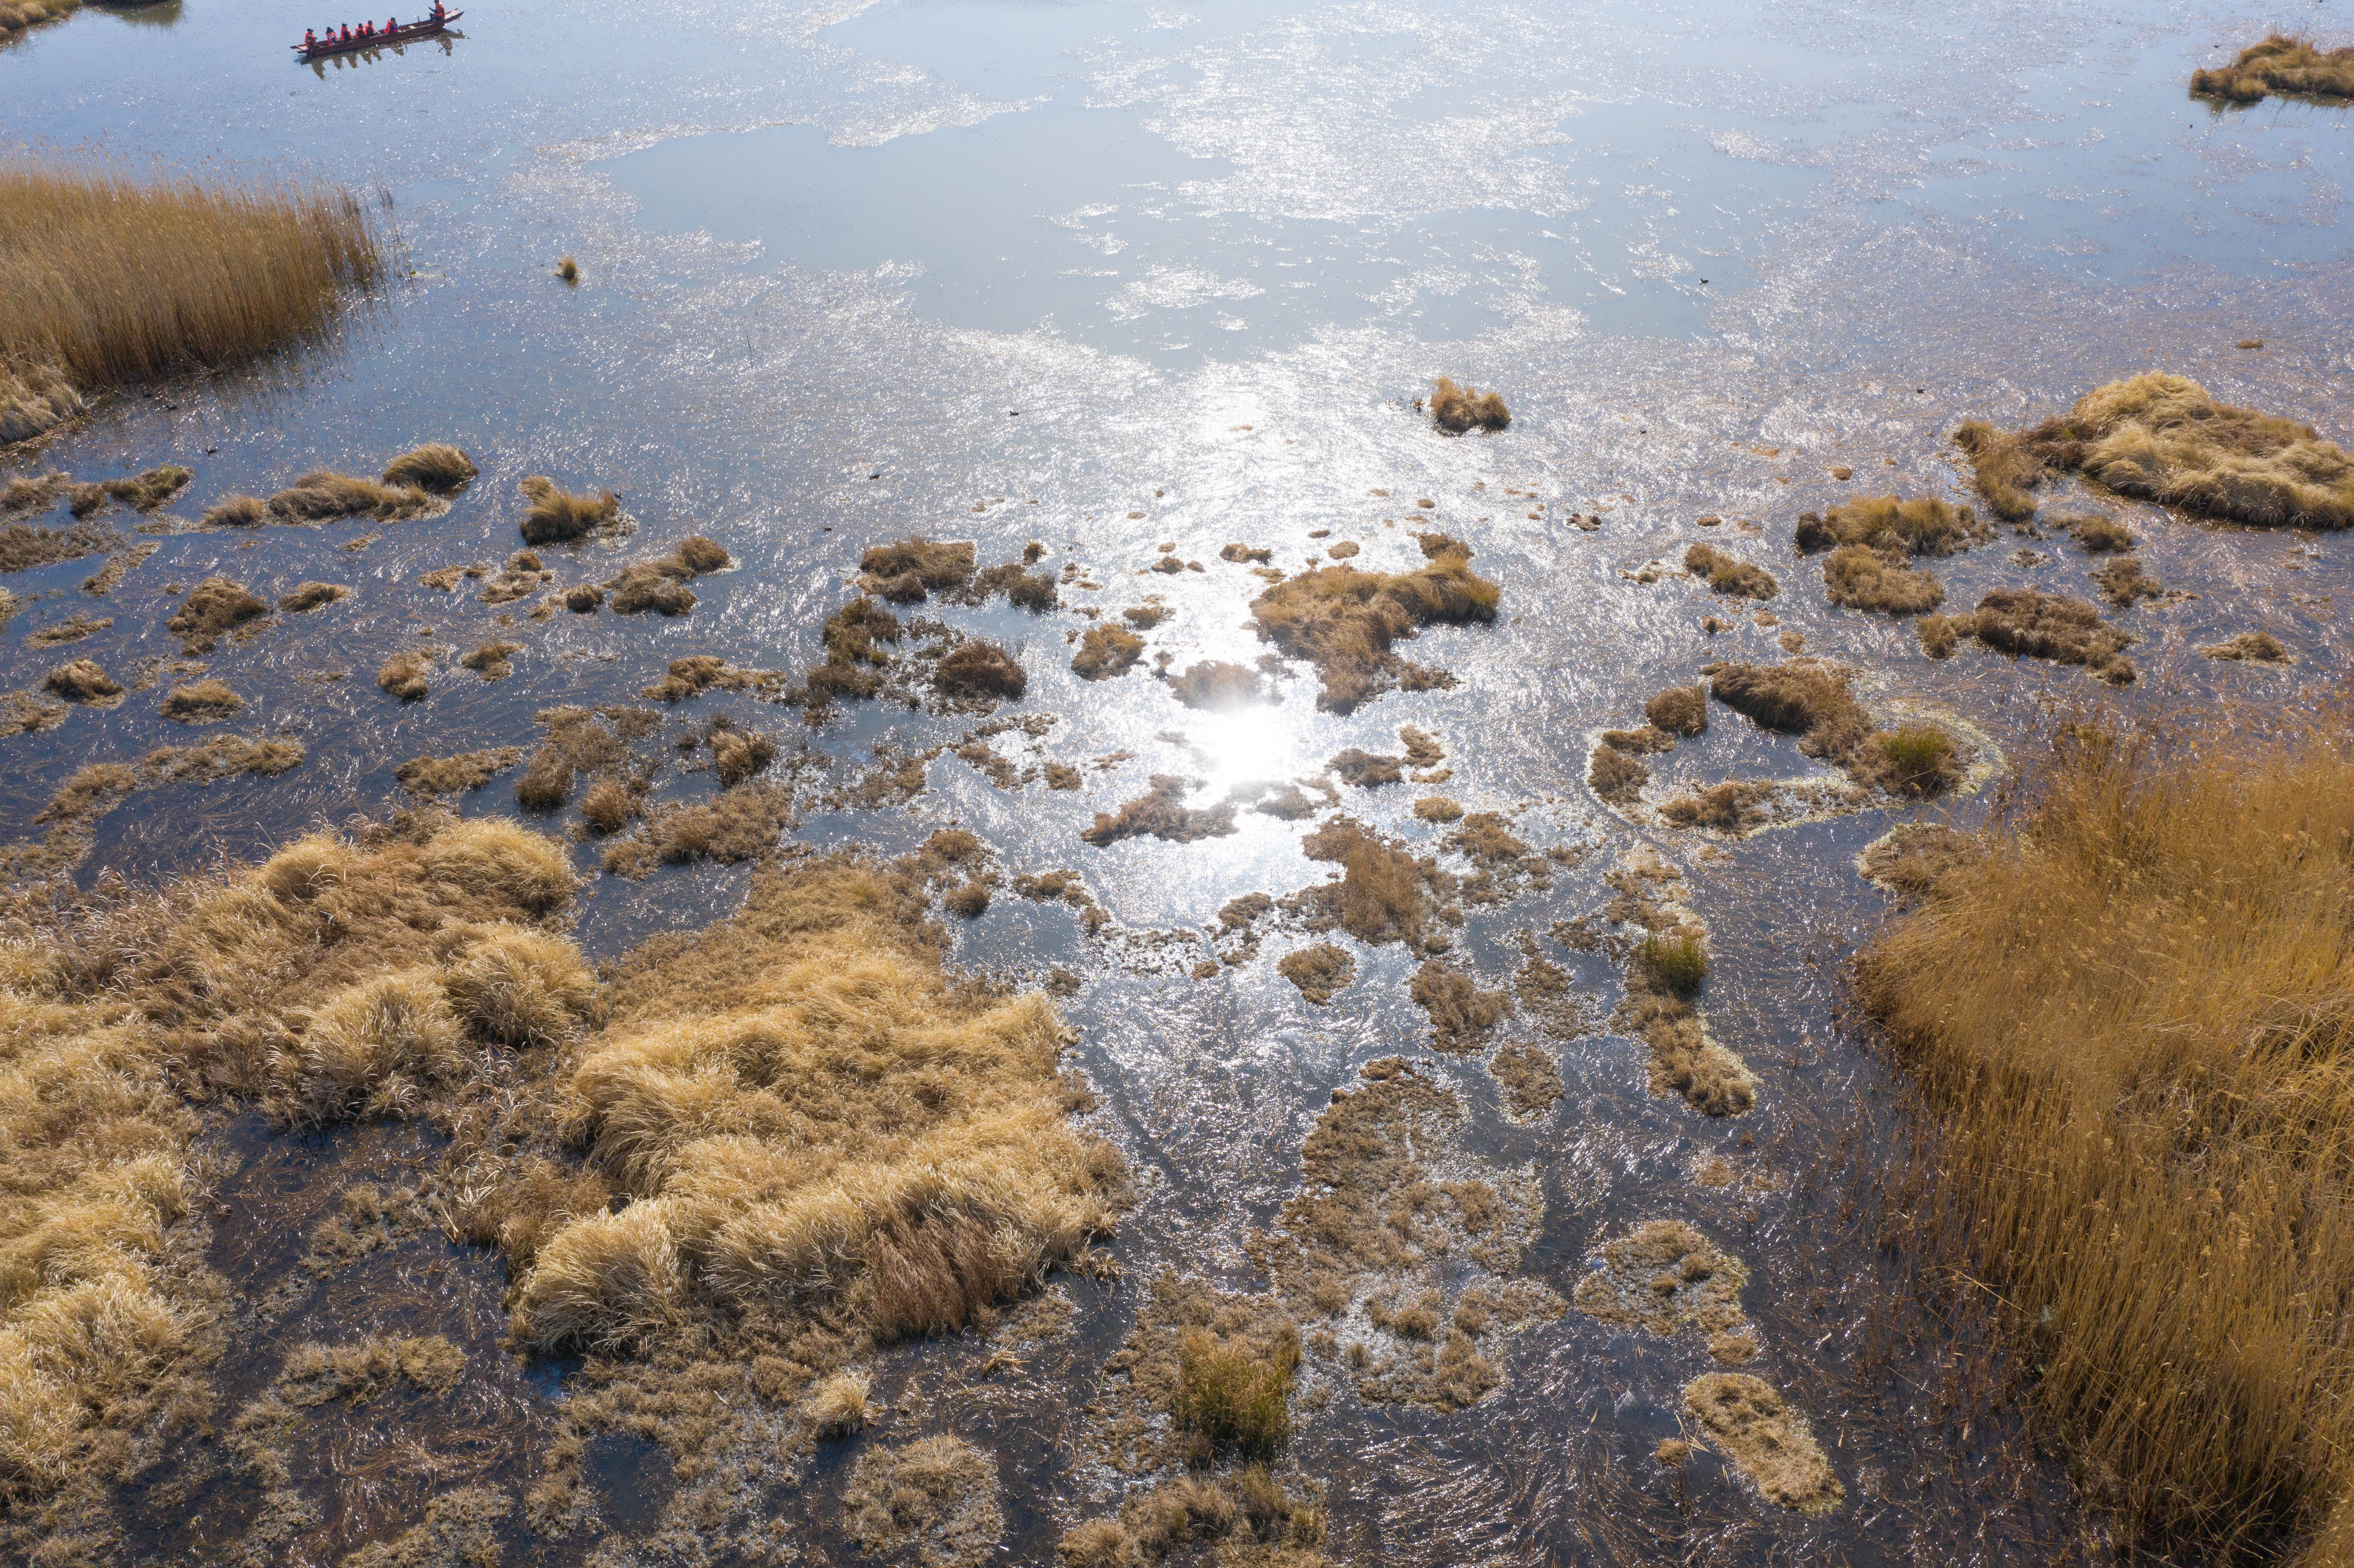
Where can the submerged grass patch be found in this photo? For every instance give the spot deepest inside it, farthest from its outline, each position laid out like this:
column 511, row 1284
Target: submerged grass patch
column 1105, row 651
column 1812, row 700
column 2125, row 1017
column 2162, row 437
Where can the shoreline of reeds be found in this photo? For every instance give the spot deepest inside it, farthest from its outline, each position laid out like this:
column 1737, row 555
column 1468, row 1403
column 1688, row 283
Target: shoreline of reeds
column 2125, row 1014
column 109, row 280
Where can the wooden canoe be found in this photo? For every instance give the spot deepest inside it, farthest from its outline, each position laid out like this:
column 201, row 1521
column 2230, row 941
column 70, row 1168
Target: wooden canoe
column 400, row 34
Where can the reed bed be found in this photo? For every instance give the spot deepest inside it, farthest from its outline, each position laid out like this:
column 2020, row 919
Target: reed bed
column 107, row 279
column 19, row 15
column 2129, row 1018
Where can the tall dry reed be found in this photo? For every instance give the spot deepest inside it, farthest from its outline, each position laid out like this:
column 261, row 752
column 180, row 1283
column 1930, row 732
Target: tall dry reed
column 2130, row 1020
column 110, row 280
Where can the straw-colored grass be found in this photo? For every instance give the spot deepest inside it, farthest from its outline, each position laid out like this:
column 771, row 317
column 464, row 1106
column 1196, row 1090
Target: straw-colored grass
column 2127, row 1022
column 1345, row 622
column 2283, row 66
column 108, row 280
column 2161, row 438
column 809, row 1113
column 1465, row 407
column 16, row 16
column 318, row 970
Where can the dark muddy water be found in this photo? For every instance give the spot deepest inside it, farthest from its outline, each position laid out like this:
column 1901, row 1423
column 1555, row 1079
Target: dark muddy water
column 1109, row 277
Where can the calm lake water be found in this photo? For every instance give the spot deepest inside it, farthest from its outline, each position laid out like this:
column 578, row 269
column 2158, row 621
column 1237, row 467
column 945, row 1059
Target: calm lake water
column 1112, row 276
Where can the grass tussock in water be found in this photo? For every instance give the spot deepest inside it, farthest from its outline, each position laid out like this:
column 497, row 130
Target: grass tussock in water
column 1872, row 541
column 2283, row 67
column 810, row 1113
column 1237, row 1395
column 108, row 280
column 2031, row 624
column 1105, row 651
column 1466, row 408
column 215, row 608
column 201, row 701
column 2251, row 647
column 1727, row 575
column 213, row 987
column 2125, row 1018
column 1345, row 622
column 405, row 675
column 434, row 467
column 2161, row 438
column 1812, row 700
column 1767, row 1440
column 556, row 516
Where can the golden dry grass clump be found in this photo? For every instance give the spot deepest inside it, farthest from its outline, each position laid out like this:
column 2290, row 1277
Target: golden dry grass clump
column 1812, row 699
column 910, row 570
column 1465, row 407
column 435, row 467
column 214, row 607
column 1727, row 575
column 556, row 515
column 2032, row 624
column 810, row 1114
column 110, row 280
column 242, row 984
column 2125, row 1019
column 1344, row 620
column 1662, row 970
column 660, row 585
column 1871, row 540
column 1106, row 651
column 2282, row 65
column 1163, row 814
column 404, row 675
column 1768, row 1441
column 201, row 701
column 2161, row 438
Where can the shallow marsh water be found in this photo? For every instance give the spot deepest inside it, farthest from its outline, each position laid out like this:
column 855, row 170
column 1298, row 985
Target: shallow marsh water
column 1109, row 276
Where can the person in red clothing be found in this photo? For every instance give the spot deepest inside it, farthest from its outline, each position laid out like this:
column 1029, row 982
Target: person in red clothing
column 310, row 40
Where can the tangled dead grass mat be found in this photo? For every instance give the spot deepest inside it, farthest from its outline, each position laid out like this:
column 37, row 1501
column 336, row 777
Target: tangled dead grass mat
column 682, row 1165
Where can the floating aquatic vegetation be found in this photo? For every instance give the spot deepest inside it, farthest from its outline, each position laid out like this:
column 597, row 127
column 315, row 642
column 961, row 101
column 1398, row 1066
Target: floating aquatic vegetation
column 556, row 516
column 523, row 576
column 2030, row 624
column 2253, row 647
column 660, row 585
column 1105, row 651
column 1766, row 1439
column 980, row 670
column 2099, row 533
column 1860, row 578
column 1921, row 527
column 2161, row 438
column 304, row 597
column 1163, row 814
column 201, row 701
column 434, row 467
column 905, row 572
column 1647, row 741
column 1385, row 893
column 1405, row 1245
column 214, row 607
column 1464, row 407
column 404, row 675
column 1216, row 685
column 1664, row 1276
column 1345, row 622
column 143, row 492
column 325, row 496
column 1460, row 1012
column 1438, row 809
column 1811, row 699
column 1686, row 1060
column 933, row 1501
column 1244, row 554
column 1365, row 770
column 1679, row 710
column 700, row 673
column 491, row 661
column 2282, row 65
column 1531, row 1078
column 1319, row 971
column 437, row 776
column 1911, row 859
column 1727, row 575
column 24, row 546
column 83, row 681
